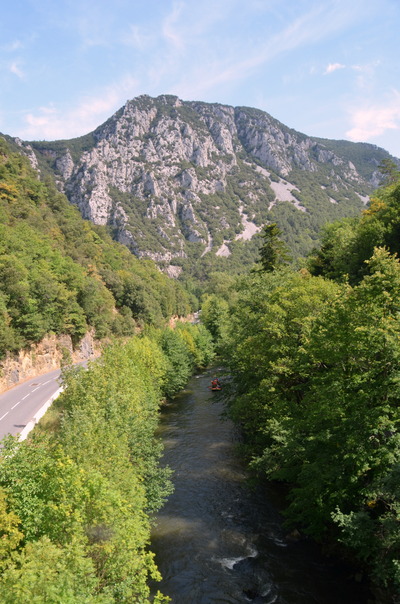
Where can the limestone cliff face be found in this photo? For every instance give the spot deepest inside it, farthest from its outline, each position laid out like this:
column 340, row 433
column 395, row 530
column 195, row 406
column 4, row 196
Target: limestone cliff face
column 167, row 174
column 45, row 356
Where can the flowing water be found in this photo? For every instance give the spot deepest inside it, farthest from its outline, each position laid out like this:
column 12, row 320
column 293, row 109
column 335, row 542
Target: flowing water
column 217, row 541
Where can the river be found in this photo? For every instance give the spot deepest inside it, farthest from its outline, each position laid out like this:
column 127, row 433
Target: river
column 216, row 540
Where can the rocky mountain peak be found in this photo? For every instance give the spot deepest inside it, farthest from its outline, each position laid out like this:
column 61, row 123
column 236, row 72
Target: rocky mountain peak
column 173, row 178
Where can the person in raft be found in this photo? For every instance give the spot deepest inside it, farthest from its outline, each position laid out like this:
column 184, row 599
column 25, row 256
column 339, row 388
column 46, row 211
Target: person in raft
column 215, row 385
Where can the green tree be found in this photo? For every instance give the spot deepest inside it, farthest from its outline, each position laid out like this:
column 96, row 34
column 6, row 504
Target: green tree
column 180, row 361
column 11, row 535
column 45, row 572
column 215, row 315
column 390, row 170
column 273, row 251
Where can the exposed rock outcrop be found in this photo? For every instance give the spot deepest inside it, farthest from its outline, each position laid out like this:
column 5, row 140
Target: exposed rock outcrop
column 45, row 356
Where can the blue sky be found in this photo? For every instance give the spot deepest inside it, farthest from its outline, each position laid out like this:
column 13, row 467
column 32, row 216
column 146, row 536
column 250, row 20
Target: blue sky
column 328, row 68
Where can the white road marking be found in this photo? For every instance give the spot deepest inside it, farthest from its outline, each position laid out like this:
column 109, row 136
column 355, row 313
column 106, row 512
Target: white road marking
column 4, row 415
column 26, row 396
column 16, row 404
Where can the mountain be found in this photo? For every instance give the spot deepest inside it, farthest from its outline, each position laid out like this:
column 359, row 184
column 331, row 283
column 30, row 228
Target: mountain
column 175, row 180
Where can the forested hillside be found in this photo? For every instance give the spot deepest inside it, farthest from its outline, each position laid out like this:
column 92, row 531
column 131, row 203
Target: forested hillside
column 315, row 360
column 61, row 274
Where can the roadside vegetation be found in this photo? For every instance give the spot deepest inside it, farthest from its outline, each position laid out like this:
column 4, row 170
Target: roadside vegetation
column 78, row 497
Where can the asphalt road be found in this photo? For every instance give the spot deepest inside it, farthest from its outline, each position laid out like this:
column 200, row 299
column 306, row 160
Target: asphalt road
column 22, row 404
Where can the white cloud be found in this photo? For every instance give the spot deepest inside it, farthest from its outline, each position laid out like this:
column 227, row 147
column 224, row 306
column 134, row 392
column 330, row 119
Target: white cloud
column 365, row 74
column 368, row 68
column 374, row 120
column 16, row 70
column 52, row 122
column 333, row 67
column 137, row 38
column 169, row 30
column 13, row 46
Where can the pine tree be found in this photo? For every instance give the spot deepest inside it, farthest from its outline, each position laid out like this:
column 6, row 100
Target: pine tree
column 273, row 252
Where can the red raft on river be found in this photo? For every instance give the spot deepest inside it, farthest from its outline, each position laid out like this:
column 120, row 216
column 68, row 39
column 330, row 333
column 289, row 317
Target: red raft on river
column 215, row 385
